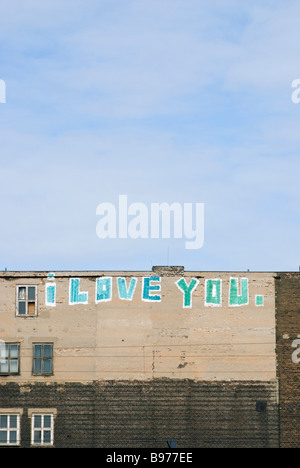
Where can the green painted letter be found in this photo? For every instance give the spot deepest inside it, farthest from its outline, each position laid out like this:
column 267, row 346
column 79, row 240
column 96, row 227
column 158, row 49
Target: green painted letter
column 213, row 292
column 236, row 299
column 187, row 291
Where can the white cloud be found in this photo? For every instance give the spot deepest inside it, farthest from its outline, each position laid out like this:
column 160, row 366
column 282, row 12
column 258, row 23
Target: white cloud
column 164, row 101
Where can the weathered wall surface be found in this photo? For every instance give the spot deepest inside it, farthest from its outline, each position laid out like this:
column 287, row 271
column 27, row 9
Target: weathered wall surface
column 154, row 356
column 288, row 354
column 124, row 414
column 208, row 335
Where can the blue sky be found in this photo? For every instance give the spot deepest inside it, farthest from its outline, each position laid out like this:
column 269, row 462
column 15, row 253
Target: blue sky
column 165, row 101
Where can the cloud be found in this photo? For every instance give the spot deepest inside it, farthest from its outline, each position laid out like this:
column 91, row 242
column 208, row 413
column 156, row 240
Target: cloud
column 127, row 61
column 164, row 101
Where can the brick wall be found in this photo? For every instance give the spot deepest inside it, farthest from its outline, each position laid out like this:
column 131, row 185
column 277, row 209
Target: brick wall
column 204, row 374
column 288, row 330
column 147, row 414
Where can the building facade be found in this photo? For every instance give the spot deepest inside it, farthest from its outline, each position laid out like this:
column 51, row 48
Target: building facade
column 136, row 359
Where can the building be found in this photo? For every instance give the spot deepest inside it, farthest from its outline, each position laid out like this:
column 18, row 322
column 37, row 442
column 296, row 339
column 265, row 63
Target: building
column 137, row 359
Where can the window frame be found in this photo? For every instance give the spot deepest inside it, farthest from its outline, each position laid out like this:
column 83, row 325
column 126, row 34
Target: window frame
column 10, row 429
column 26, row 301
column 42, row 359
column 42, row 429
column 9, row 358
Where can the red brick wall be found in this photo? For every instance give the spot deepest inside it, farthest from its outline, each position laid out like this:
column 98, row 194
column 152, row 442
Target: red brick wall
column 288, row 330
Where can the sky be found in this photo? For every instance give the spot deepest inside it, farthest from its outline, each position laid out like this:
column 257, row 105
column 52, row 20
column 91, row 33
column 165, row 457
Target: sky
column 185, row 101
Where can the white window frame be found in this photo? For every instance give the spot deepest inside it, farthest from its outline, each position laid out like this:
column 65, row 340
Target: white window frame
column 26, row 286
column 11, row 429
column 9, row 358
column 42, row 429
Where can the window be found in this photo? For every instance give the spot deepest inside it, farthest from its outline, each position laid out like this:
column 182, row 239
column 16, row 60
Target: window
column 43, row 358
column 26, row 301
column 9, row 358
column 9, row 429
column 42, row 432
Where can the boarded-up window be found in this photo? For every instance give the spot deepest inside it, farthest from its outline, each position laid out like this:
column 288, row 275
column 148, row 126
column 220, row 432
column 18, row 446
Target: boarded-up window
column 27, row 301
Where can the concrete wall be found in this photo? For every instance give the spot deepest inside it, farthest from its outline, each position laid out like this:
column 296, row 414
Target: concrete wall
column 140, row 340
column 198, row 368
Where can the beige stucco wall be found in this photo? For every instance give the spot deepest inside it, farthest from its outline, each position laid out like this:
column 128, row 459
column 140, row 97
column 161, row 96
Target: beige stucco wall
column 143, row 340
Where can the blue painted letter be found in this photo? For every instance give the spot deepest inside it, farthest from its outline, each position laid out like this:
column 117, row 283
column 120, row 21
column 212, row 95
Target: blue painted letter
column 148, row 287
column 124, row 293
column 77, row 297
column 50, row 294
column 104, row 289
